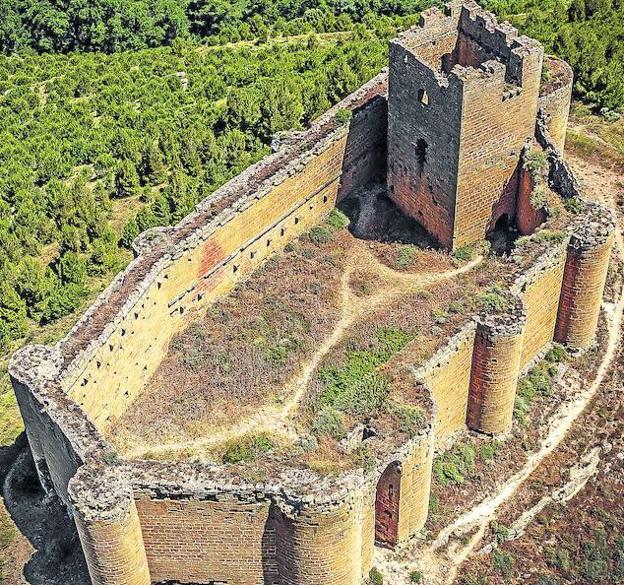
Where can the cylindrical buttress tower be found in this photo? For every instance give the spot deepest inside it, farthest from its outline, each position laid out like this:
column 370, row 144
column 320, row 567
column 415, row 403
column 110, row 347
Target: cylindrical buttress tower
column 584, row 278
column 320, row 543
column 495, row 370
column 109, row 528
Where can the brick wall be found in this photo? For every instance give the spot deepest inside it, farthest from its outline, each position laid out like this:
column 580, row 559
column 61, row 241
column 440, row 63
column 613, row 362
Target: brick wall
column 423, row 143
column 556, row 101
column 540, row 291
column 447, row 376
column 528, row 218
column 496, row 123
column 204, row 541
column 124, row 358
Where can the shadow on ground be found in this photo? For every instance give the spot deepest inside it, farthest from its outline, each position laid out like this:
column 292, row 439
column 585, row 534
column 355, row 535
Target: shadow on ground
column 43, row 520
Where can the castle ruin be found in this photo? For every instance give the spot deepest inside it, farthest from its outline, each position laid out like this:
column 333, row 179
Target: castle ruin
column 445, row 129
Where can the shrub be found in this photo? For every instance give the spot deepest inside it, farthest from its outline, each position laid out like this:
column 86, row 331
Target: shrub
column 503, row 563
column 329, row 422
column 248, row 448
column 573, row 205
column 488, row 451
column 410, row 419
column 406, row 257
column 557, row 354
column 492, row 300
column 535, row 161
column 500, row 531
column 320, row 235
column 464, row 253
column 337, row 220
column 540, row 379
column 452, row 467
column 546, row 236
column 375, row 577
column 559, row 558
column 415, row 577
column 539, row 197
column 343, row 116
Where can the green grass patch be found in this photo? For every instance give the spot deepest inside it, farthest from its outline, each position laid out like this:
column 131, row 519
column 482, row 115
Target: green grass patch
column 406, row 257
column 248, row 448
column 452, row 467
column 355, row 386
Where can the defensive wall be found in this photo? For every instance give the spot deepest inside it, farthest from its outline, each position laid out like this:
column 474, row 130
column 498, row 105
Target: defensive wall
column 144, row 522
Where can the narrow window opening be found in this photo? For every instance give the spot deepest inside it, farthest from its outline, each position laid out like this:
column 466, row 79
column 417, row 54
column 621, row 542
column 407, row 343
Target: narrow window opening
column 325, row 198
column 252, row 255
column 296, row 220
column 235, row 268
column 268, row 243
column 282, row 231
column 421, row 154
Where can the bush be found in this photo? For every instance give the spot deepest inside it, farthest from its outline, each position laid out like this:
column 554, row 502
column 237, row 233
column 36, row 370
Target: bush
column 452, row 467
column 488, row 451
column 503, row 563
column 406, row 257
column 375, row 577
column 410, row 419
column 320, row 235
column 337, row 220
column 416, row 577
column 464, row 253
column 492, row 300
column 557, row 354
column 248, row 448
column 536, row 162
column 329, row 422
column 343, row 116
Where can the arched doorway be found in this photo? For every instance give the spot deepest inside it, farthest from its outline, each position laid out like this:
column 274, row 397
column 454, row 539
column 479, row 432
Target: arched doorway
column 387, row 501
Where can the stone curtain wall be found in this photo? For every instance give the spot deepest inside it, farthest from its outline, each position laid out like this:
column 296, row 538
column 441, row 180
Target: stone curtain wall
column 447, row 377
column 556, row 102
column 295, row 199
column 540, row 290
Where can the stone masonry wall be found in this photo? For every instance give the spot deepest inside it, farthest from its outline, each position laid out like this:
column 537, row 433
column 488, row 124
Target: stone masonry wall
column 540, row 289
column 296, row 199
column 423, row 142
column 447, row 377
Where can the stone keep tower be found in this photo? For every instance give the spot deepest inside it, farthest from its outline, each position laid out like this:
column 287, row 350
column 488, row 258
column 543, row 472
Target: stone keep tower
column 462, row 102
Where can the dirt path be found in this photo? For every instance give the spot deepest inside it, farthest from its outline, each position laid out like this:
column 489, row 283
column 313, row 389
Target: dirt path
column 279, row 419
column 441, row 559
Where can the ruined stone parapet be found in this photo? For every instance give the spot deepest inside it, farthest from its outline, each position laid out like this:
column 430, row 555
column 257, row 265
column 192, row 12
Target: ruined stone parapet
column 555, row 99
column 60, row 435
column 496, row 361
column 584, row 278
column 109, row 527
